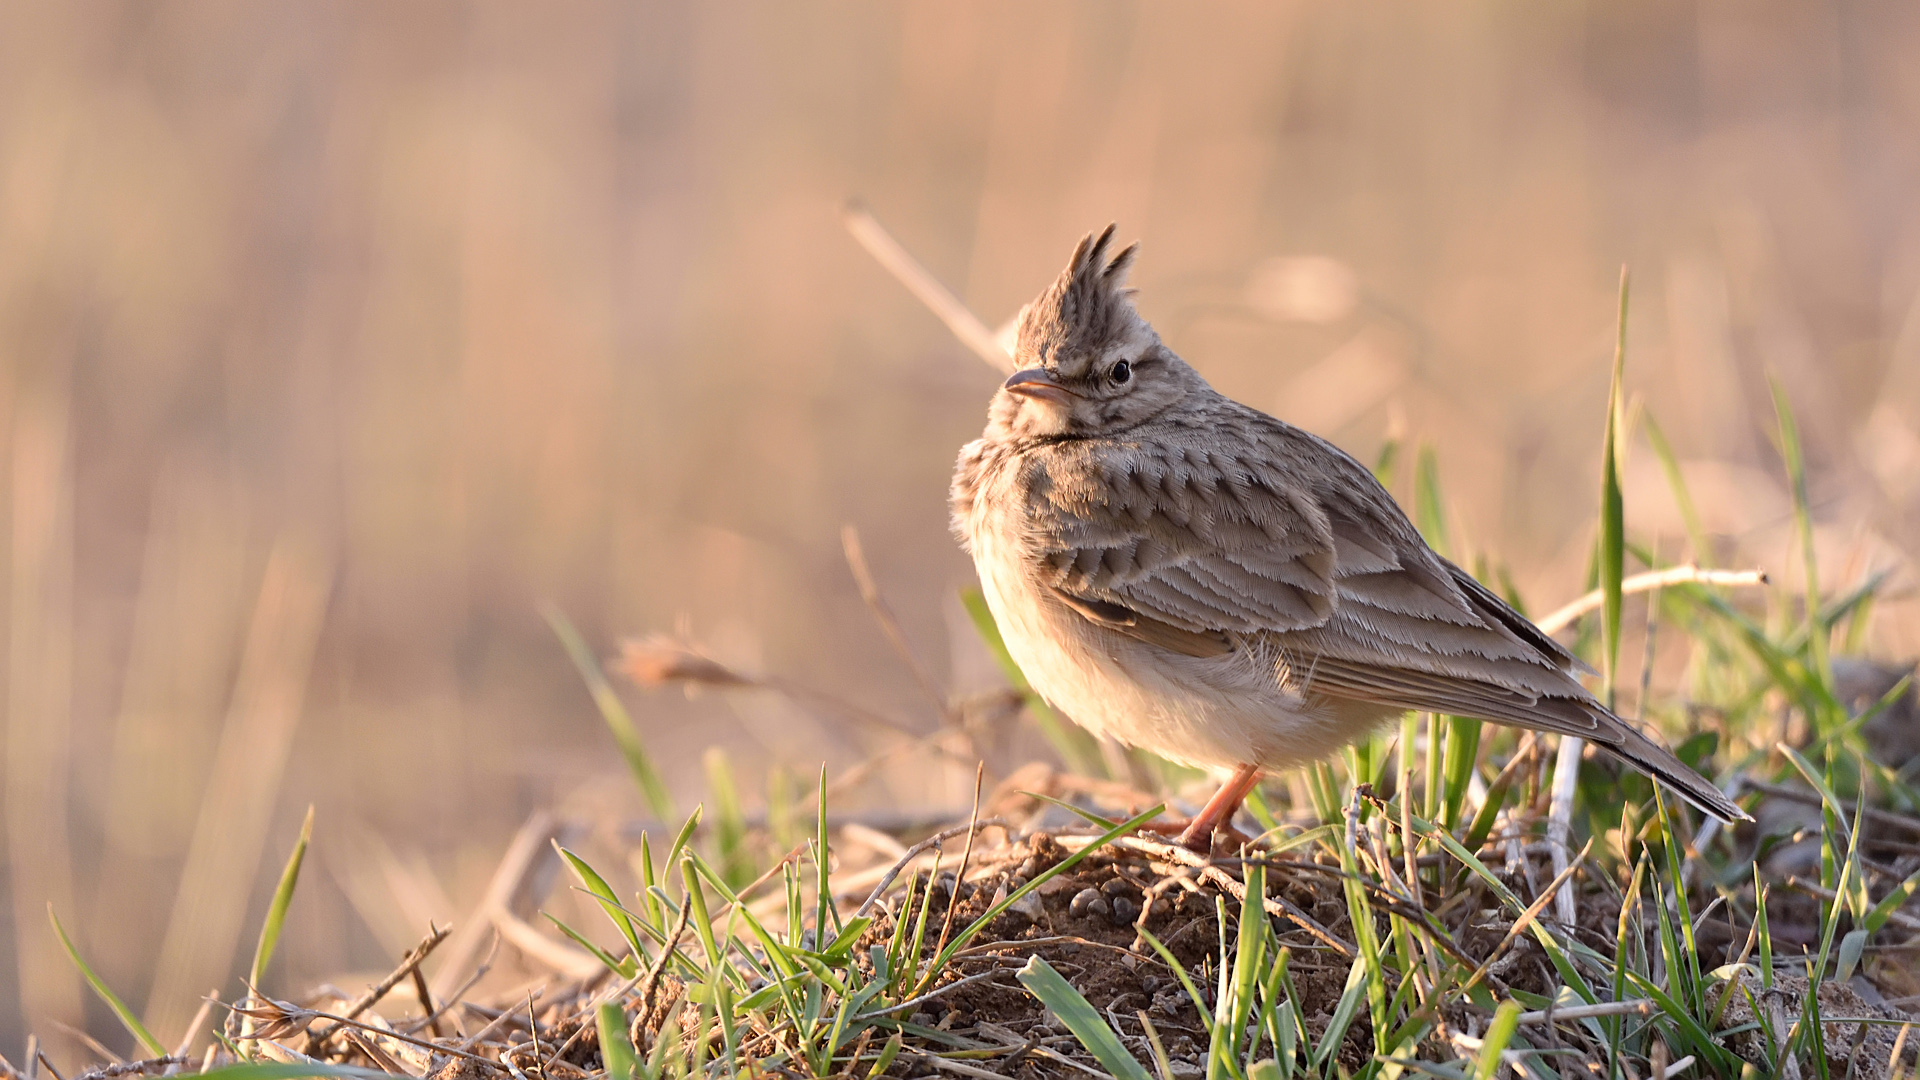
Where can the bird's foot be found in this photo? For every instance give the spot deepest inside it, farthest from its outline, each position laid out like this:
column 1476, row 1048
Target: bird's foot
column 1196, row 836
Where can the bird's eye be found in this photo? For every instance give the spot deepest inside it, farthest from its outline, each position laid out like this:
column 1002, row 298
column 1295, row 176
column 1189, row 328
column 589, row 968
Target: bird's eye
column 1121, row 372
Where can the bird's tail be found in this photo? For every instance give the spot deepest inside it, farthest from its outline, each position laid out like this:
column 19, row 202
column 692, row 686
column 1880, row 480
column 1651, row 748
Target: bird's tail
column 1620, row 738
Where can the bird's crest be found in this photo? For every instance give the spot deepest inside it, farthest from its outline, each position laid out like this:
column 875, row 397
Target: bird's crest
column 1086, row 308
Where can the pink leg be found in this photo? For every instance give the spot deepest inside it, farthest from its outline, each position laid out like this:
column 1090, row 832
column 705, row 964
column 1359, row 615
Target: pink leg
column 1219, row 810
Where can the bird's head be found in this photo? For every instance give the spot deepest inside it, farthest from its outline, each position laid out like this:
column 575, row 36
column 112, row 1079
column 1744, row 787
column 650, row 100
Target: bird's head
column 1088, row 363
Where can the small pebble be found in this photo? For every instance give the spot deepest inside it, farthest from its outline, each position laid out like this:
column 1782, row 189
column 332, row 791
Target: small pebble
column 1118, row 887
column 1018, row 882
column 1149, row 983
column 1028, row 906
column 1029, row 868
column 1087, row 903
column 1124, row 911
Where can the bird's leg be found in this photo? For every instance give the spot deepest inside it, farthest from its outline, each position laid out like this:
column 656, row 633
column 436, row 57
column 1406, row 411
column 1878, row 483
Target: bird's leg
column 1196, row 834
column 1219, row 810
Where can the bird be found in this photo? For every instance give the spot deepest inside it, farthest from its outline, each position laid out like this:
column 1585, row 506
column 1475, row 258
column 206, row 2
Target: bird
column 1180, row 572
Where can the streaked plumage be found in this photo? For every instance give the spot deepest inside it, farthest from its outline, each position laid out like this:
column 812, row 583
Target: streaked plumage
column 1184, row 573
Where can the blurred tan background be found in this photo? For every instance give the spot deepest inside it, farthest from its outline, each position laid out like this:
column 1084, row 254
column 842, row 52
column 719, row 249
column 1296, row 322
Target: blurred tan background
column 337, row 338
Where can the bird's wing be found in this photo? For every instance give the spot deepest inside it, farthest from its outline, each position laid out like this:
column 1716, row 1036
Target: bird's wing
column 1197, row 550
column 1182, row 539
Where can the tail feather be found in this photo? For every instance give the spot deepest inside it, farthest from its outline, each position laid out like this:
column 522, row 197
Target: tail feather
column 1620, row 739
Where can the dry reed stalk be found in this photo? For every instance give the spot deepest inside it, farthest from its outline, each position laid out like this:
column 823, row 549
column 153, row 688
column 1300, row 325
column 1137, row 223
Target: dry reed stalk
column 530, row 846
column 230, row 835
column 1653, row 579
column 926, row 288
column 39, row 706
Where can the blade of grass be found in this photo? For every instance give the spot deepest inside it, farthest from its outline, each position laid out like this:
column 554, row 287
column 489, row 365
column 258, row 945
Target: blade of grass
column 1073, row 1009
column 1613, row 509
column 128, row 1020
column 598, row 888
column 1384, row 462
column 1682, row 497
column 623, row 968
column 282, row 897
column 730, row 824
column 1506, row 1020
column 1429, row 511
column 1795, row 461
column 616, row 1051
column 961, row 939
column 625, row 734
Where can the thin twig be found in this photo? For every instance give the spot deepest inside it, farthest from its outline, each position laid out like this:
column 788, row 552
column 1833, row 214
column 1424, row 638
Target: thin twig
column 381, row 1059
column 1525, row 920
column 194, row 1025
column 1211, row 873
column 925, row 287
column 1808, row 798
column 889, row 625
column 1688, row 574
column 452, row 999
column 914, row 852
column 1635, row 1007
column 498, row 1022
column 89, row 1042
column 966, row 858
column 652, row 982
column 409, row 964
column 1897, row 918
column 926, row 997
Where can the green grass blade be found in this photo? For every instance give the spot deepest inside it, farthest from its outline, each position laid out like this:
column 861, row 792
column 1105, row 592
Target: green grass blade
column 1613, row 540
column 1463, row 750
column 282, row 897
column 1249, row 959
column 616, row 1051
column 1384, row 462
column 623, row 968
column 127, row 1018
column 961, row 939
column 1795, row 460
column 1762, row 932
column 1682, row 497
column 823, row 867
column 625, row 734
column 1506, row 1021
column 887, row 1053
column 1344, row 1011
column 1429, row 510
column 1890, row 903
column 609, row 902
column 730, row 822
column 1094, row 1033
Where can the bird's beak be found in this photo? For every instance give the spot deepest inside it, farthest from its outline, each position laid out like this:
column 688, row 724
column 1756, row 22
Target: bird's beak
column 1036, row 383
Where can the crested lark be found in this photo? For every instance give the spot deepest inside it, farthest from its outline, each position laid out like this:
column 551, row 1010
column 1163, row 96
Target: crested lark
column 1180, row 572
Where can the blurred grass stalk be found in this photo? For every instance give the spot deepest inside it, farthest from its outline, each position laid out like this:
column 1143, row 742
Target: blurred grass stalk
column 1610, row 557
column 39, row 704
column 229, row 838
